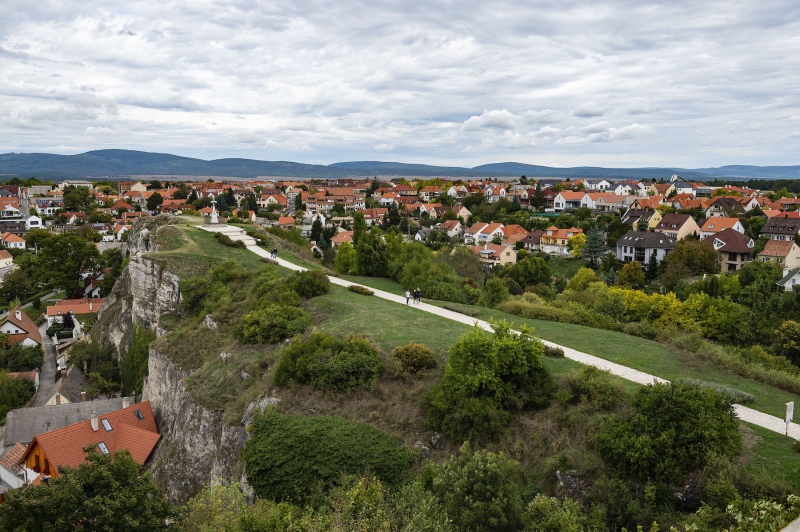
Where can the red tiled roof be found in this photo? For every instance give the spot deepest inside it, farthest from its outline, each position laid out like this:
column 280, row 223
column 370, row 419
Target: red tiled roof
column 11, row 237
column 12, row 458
column 26, row 324
column 76, row 306
column 344, row 236
column 64, row 447
column 777, row 248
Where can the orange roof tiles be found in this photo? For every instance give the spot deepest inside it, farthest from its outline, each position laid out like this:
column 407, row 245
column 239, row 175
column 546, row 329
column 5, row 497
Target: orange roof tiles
column 25, row 323
column 75, row 306
column 64, row 447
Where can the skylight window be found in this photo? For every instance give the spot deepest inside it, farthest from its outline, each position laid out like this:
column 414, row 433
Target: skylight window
column 106, row 424
column 139, row 415
column 102, row 447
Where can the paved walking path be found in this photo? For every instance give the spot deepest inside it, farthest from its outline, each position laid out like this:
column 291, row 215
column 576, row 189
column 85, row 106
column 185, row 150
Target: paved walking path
column 749, row 415
column 47, row 385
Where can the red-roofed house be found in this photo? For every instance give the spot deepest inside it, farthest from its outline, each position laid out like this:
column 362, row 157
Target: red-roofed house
column 493, row 254
column 76, row 307
column 10, row 240
column 716, row 224
column 786, row 253
column 555, row 240
column 21, row 329
column 481, row 233
column 341, row 238
column 132, row 429
column 286, row 222
column 6, row 259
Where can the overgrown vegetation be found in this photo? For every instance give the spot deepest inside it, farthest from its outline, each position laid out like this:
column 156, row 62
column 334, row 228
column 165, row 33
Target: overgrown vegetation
column 15, row 392
column 133, row 362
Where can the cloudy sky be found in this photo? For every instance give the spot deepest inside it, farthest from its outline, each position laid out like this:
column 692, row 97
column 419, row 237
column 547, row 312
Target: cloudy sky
column 558, row 82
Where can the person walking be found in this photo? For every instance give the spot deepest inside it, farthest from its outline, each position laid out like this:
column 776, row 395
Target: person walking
column 417, row 296
column 408, row 296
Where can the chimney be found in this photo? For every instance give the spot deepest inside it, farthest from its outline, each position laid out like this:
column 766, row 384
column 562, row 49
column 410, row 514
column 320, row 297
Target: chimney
column 58, row 398
column 91, row 305
column 126, row 402
column 94, row 421
column 83, row 397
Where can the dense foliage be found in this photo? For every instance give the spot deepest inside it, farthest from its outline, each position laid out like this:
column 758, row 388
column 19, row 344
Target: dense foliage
column 672, row 430
column 487, row 378
column 133, row 361
column 290, row 458
column 414, row 357
column 101, row 494
column 329, row 362
column 272, row 324
column 15, row 392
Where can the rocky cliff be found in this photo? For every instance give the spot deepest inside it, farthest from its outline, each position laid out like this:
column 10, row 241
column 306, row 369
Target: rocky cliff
column 196, row 445
column 143, row 292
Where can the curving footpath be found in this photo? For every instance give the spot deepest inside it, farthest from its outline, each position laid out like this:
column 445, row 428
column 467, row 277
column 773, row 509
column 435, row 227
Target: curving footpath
column 746, row 414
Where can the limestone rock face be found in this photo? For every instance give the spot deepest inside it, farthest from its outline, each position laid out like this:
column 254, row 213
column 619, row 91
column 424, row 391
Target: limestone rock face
column 197, row 446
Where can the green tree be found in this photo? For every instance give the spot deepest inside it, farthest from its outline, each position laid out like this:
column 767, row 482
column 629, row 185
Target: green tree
column 697, row 257
column 298, row 202
column 359, row 227
column 35, row 238
column 371, row 259
column 155, row 184
column 133, row 362
column 345, row 261
column 316, row 230
column 393, row 216
column 16, row 284
column 479, row 491
column 486, row 378
column 576, row 244
column 651, row 273
column 64, row 257
column 787, row 341
column 531, row 270
column 78, row 199
column 495, row 292
column 672, row 430
column 14, row 393
column 595, row 247
column 631, row 276
column 105, row 493
column 154, row 201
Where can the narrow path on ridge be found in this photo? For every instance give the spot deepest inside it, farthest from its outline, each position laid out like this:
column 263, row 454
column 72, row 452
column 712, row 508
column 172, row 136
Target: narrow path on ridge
column 746, row 414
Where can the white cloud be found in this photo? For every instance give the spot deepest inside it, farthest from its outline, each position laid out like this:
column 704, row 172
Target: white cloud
column 460, row 83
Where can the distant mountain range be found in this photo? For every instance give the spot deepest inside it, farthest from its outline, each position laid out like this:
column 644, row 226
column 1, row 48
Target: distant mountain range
column 125, row 163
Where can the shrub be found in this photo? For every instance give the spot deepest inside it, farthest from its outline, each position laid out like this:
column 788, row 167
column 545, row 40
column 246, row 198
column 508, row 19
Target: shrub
column 272, row 324
column 364, row 291
column 22, row 358
column 14, row 393
column 414, row 358
column 461, row 310
column 642, row 329
column 495, row 292
column 309, row 283
column 327, row 362
column 597, row 386
column 479, row 491
column 736, row 396
column 226, row 240
column 487, row 377
column 672, row 430
column 538, row 311
column 553, row 352
column 290, row 458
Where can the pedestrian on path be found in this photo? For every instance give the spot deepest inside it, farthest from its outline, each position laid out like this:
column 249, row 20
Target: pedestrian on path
column 408, row 296
column 417, row 296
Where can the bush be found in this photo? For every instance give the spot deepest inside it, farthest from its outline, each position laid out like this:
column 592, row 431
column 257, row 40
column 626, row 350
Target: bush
column 22, row 358
column 364, row 291
column 14, row 393
column 487, row 377
column 414, row 358
column 553, row 352
column 327, row 362
column 461, row 310
column 290, row 458
column 272, row 324
column 479, row 491
column 672, row 430
column 309, row 283
column 598, row 387
column 538, row 311
column 736, row 396
column 226, row 240
column 642, row 329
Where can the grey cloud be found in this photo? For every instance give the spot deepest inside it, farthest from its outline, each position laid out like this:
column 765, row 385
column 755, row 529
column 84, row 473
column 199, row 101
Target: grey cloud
column 589, row 110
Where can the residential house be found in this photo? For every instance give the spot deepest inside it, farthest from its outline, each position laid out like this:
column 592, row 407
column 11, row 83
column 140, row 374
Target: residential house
column 429, row 193
column 76, row 307
column 388, row 199
column 458, row 191
column 120, row 231
column 33, row 222
column 422, row 234
column 677, row 226
column 783, row 227
column 6, row 259
column 286, row 222
column 431, row 209
column 375, row 215
column 682, row 187
column 21, row 329
column 783, row 252
column 548, row 196
column 724, row 206
column 641, row 245
column 406, row 190
column 132, row 429
column 453, row 228
column 461, row 212
column 649, row 202
column 621, row 189
column 495, row 193
column 791, row 279
column 492, row 255
column 72, row 387
column 634, row 217
column 597, row 185
column 660, row 189
column 12, row 241
column 567, row 199
column 554, row 240
column 11, row 475
column 687, row 204
column 734, row 249
column 482, row 232
column 513, row 233
column 714, row 225
column 32, row 376
column 533, row 241
column 613, row 203
column 342, row 237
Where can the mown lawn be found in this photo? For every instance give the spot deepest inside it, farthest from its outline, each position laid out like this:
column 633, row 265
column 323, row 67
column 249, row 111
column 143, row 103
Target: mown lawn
column 651, row 357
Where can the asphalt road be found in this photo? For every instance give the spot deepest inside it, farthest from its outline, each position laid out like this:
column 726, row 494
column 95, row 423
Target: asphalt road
column 47, row 385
